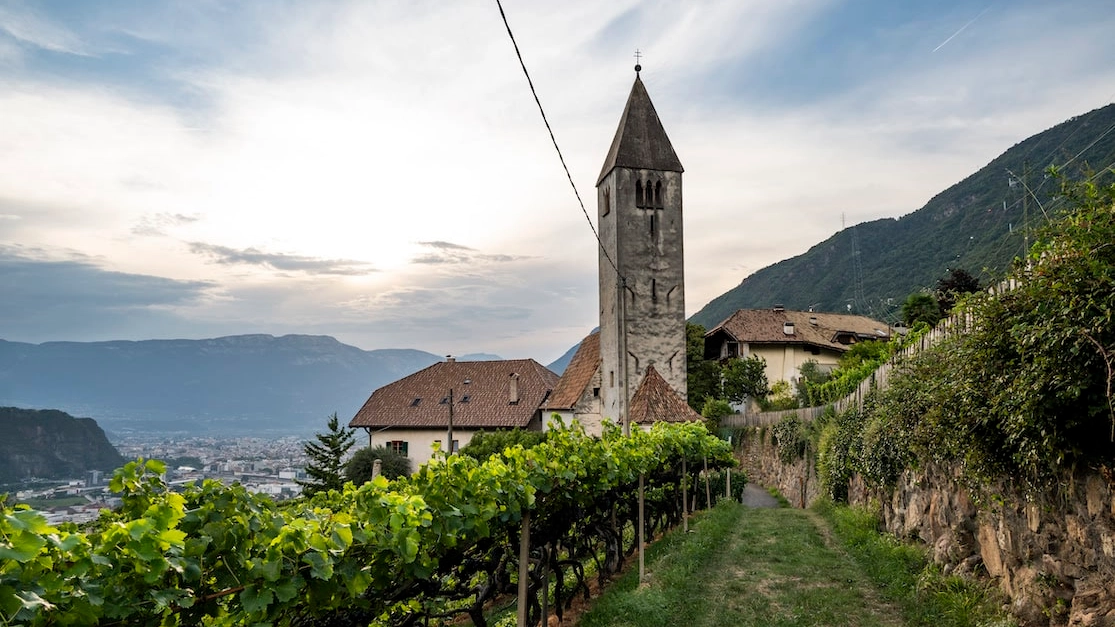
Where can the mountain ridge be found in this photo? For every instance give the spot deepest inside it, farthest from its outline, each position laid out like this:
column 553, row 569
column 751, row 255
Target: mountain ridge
column 976, row 224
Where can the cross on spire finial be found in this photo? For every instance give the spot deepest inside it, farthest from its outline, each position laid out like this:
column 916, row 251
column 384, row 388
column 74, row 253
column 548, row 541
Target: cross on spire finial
column 638, row 55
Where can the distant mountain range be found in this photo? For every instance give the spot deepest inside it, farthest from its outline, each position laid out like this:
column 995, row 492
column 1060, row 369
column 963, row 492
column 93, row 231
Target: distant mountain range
column 242, row 384
column 50, row 444
column 977, row 225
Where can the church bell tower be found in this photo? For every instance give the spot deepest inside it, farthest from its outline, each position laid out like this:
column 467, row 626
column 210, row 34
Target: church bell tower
column 642, row 272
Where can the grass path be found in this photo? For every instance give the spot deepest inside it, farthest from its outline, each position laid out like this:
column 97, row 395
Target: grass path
column 746, row 566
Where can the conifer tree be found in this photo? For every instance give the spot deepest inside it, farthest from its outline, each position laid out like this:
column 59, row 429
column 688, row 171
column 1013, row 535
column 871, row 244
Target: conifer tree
column 326, row 466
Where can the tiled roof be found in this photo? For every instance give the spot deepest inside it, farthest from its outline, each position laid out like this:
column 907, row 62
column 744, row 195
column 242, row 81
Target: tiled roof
column 485, row 402
column 640, row 140
column 758, row 326
column 656, row 401
column 577, row 374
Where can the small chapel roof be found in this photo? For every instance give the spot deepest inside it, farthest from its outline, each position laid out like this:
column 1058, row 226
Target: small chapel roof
column 640, row 140
column 577, row 374
column 656, row 401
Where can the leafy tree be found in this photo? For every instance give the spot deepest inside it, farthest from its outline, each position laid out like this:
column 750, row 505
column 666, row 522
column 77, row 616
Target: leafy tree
column 780, row 397
column 920, row 307
column 861, row 352
column 326, row 466
column 393, row 464
column 949, row 289
column 810, row 378
column 486, row 443
column 745, row 378
column 713, row 410
column 703, row 375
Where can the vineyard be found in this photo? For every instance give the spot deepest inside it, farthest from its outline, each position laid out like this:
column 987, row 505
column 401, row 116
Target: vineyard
column 442, row 543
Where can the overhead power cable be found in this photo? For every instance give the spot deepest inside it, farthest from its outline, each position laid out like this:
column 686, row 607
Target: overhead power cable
column 554, row 140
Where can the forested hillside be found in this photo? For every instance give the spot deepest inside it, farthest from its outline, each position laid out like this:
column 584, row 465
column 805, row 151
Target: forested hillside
column 976, row 225
column 51, row 444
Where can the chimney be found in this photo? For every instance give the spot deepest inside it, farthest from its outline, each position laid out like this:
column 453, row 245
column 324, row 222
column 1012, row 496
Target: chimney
column 813, row 320
column 779, row 308
column 514, row 389
column 450, row 359
column 788, row 328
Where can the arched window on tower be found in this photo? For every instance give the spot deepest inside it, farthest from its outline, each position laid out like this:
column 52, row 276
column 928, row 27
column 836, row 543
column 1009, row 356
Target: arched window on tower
column 639, row 199
column 658, row 194
column 607, row 202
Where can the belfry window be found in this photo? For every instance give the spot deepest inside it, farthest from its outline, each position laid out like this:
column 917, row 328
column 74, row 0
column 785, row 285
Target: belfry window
column 657, row 194
column 640, row 197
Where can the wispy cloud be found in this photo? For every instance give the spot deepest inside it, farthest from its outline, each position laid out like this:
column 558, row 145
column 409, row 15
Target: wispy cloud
column 157, row 224
column 25, row 25
column 280, row 261
column 450, row 253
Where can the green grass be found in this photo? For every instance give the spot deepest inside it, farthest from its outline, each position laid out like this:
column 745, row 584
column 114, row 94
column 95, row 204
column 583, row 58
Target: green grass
column 64, row 501
column 905, row 576
column 789, row 567
column 743, row 566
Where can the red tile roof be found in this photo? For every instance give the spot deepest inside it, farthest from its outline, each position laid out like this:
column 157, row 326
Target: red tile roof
column 577, row 374
column 484, row 403
column 759, row 326
column 656, row 401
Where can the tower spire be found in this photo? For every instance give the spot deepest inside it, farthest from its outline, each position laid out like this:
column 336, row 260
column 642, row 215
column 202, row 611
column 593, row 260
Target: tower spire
column 640, row 140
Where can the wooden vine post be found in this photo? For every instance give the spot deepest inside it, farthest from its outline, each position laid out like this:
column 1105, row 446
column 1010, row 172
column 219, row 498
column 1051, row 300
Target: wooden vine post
column 684, row 498
column 642, row 533
column 708, row 489
column 524, row 571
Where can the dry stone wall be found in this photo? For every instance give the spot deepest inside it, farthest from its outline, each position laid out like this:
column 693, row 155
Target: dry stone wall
column 1052, row 554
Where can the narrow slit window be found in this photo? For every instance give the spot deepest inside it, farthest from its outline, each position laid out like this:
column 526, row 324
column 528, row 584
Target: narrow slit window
column 607, row 202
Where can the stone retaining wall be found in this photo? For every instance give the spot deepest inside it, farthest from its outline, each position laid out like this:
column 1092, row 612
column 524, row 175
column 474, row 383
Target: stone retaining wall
column 1053, row 555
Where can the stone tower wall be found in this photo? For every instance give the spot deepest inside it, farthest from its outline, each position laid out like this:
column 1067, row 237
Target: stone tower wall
column 645, row 240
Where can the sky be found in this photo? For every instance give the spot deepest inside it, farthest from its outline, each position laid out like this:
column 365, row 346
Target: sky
column 378, row 171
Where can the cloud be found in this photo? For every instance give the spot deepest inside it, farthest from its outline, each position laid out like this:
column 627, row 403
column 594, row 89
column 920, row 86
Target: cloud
column 50, row 298
column 280, row 261
column 448, row 253
column 157, row 224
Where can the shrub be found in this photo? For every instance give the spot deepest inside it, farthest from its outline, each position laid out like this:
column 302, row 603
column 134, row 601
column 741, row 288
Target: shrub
column 392, row 464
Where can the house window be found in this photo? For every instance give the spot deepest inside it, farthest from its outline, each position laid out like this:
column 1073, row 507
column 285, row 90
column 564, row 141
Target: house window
column 399, row 446
column 596, row 392
column 456, row 444
column 731, row 349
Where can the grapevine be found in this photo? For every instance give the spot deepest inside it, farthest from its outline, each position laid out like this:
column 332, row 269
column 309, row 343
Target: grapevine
column 437, row 544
